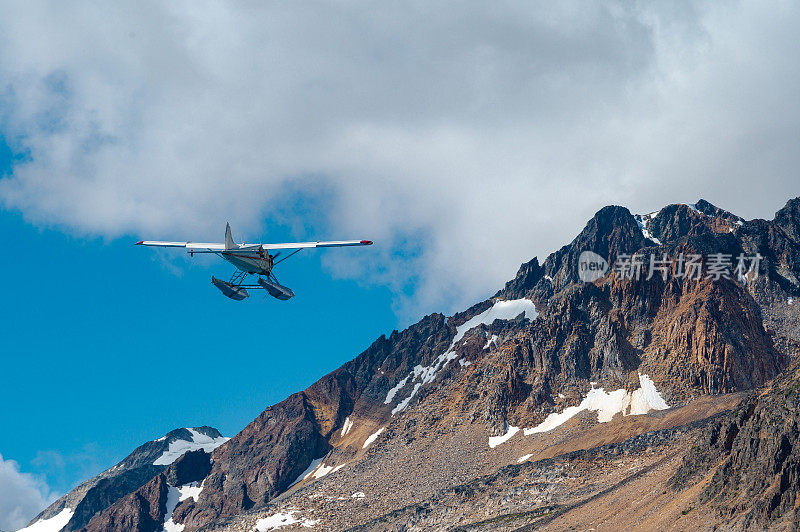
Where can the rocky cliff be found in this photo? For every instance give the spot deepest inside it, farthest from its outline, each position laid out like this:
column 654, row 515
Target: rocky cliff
column 751, row 459
column 135, row 470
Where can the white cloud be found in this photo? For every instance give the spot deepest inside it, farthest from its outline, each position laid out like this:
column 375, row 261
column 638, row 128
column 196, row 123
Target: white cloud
column 22, row 496
column 463, row 139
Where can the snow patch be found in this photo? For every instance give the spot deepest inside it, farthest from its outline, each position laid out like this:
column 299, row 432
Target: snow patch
column 178, row 495
column 790, row 301
column 640, row 401
column 178, row 447
column 404, row 403
column 494, row 441
column 645, row 398
column 372, row 437
column 282, row 519
column 501, row 310
column 192, row 490
column 309, row 470
column 492, row 340
column 347, row 426
column 390, row 395
column 358, row 495
column 173, row 498
column 463, row 363
column 642, row 220
column 322, row 470
column 317, row 469
column 523, row 458
column 54, row 524
column 170, row 526
column 427, row 374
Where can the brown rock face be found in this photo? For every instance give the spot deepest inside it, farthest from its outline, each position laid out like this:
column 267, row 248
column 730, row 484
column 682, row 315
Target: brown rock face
column 142, row 510
column 265, row 458
column 758, row 445
column 192, row 466
column 690, row 338
column 135, row 470
column 262, row 460
column 108, row 490
column 612, row 231
column 712, row 339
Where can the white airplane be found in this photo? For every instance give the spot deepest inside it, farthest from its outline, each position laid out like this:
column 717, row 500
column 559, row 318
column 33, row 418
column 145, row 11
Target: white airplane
column 251, row 259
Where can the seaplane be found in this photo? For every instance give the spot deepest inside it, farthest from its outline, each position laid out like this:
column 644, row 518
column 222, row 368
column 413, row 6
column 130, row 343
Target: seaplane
column 251, row 259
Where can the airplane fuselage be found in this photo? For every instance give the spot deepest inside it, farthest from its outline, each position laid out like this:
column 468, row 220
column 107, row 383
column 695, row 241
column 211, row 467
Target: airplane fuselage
column 260, row 264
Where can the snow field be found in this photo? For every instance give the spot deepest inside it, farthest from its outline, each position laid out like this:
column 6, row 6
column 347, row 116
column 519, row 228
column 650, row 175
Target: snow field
column 178, row 447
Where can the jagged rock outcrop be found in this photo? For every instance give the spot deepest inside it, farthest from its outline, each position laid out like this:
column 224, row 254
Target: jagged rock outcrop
column 134, row 471
column 146, row 508
column 106, row 491
column 788, row 219
column 777, row 290
column 613, row 230
column 701, row 336
column 192, row 466
column 262, row 460
column 753, row 455
column 143, row 510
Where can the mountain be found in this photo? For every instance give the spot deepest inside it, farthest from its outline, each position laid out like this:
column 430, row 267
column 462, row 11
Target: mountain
column 664, row 402
column 75, row 509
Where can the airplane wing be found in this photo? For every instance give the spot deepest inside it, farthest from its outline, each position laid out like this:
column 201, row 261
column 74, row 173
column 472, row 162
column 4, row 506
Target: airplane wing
column 193, row 245
column 300, row 245
column 253, row 248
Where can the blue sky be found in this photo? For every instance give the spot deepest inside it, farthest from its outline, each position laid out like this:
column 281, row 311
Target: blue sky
column 107, row 345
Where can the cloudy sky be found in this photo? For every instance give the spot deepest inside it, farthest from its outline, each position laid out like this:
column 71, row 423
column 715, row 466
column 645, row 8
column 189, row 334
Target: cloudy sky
column 464, row 138
column 468, row 137
column 21, row 495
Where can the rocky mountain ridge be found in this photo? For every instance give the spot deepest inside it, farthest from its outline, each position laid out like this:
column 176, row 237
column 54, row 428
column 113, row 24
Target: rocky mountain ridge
column 151, row 458
column 450, row 401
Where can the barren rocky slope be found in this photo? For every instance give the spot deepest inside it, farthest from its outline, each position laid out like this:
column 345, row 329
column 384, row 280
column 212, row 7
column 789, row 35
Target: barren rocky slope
column 445, row 424
column 750, row 459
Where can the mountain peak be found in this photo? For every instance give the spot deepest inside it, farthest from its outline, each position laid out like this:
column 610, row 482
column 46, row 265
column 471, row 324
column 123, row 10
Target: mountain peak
column 81, row 504
column 707, row 208
column 788, row 219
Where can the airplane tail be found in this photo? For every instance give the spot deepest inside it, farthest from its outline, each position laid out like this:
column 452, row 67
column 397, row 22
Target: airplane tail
column 229, row 243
